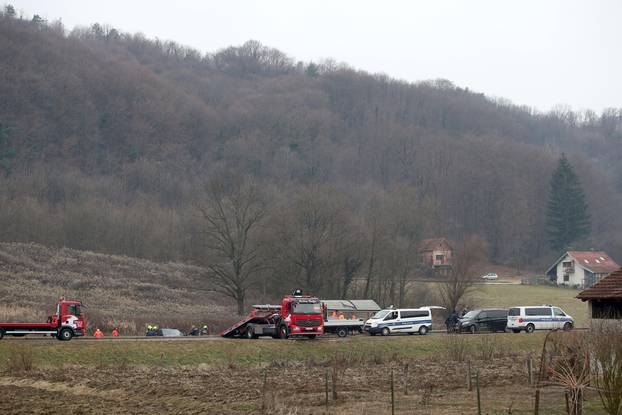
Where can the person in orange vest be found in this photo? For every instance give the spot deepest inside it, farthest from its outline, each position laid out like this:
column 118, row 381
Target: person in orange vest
column 115, row 332
column 98, row 333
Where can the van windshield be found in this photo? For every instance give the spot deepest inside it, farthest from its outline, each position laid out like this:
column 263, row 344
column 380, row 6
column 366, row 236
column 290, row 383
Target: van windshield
column 470, row 315
column 381, row 314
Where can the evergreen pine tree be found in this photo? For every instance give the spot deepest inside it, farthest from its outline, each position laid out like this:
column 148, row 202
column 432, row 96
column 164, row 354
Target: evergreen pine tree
column 9, row 11
column 567, row 216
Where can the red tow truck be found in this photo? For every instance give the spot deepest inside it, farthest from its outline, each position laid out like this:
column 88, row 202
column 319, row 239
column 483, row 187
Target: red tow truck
column 297, row 316
column 64, row 325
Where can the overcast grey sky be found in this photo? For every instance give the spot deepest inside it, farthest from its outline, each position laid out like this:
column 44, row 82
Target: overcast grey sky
column 538, row 53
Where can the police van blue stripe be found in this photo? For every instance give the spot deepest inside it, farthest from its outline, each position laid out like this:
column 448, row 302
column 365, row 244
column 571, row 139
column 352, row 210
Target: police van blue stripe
column 405, row 323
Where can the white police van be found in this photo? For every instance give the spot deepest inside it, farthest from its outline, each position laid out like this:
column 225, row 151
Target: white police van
column 544, row 317
column 401, row 320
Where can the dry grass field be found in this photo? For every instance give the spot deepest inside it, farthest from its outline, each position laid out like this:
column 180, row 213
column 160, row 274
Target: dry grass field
column 119, row 291
column 274, row 376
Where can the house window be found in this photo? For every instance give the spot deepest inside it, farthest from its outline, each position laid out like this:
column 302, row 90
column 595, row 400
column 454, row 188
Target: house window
column 440, row 257
column 567, row 264
column 566, row 278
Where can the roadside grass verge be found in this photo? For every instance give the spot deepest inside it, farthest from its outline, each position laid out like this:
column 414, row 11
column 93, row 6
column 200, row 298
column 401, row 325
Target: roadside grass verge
column 244, row 353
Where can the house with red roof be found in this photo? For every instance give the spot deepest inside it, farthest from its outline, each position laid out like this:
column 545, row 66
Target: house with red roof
column 581, row 269
column 605, row 297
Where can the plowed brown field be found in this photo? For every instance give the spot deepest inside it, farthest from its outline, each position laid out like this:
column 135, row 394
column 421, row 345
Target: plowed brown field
column 433, row 386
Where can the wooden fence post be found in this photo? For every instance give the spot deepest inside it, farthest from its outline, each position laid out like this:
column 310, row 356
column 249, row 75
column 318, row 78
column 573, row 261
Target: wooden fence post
column 392, row 395
column 334, row 378
column 479, row 403
column 530, row 369
column 406, row 379
column 263, row 391
column 469, row 377
column 326, row 389
column 536, row 409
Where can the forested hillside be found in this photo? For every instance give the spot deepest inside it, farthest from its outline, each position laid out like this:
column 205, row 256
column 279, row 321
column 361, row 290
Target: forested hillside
column 115, row 143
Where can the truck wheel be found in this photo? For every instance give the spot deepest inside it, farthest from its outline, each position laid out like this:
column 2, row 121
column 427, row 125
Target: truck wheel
column 283, row 334
column 530, row 328
column 65, row 334
column 567, row 326
column 386, row 331
column 473, row 329
column 423, row 330
column 250, row 333
column 342, row 332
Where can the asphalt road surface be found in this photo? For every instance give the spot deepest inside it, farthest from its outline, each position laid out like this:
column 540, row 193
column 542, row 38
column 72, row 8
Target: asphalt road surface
column 330, row 337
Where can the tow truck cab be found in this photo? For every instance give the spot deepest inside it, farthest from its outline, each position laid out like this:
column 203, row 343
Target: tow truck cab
column 69, row 314
column 301, row 316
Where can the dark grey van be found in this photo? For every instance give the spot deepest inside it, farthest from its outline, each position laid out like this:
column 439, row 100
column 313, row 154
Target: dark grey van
column 486, row 319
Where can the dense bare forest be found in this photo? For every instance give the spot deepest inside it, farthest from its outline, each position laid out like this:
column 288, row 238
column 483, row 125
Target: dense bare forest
column 119, row 144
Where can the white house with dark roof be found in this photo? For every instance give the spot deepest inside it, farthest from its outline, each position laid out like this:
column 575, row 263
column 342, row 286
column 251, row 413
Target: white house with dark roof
column 581, row 268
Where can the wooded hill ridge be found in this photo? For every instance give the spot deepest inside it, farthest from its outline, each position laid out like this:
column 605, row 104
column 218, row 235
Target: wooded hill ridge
column 108, row 139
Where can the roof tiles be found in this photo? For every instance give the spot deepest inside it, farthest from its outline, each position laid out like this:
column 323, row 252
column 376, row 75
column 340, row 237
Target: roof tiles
column 432, row 244
column 610, row 287
column 596, row 261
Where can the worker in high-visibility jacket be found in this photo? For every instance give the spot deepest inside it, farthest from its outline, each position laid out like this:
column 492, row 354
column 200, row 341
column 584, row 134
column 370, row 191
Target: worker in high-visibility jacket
column 98, row 333
column 115, row 332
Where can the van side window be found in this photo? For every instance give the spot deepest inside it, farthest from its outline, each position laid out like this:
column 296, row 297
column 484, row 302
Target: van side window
column 483, row 314
column 538, row 311
column 499, row 313
column 514, row 311
column 413, row 313
column 558, row 312
column 391, row 316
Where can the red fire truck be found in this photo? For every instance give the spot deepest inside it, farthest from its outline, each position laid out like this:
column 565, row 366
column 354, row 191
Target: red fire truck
column 298, row 315
column 64, row 325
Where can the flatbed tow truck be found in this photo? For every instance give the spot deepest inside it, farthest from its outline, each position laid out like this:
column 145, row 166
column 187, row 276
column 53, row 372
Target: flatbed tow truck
column 297, row 316
column 66, row 323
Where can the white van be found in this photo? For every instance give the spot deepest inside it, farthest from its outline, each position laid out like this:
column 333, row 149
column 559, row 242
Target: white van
column 402, row 320
column 544, row 317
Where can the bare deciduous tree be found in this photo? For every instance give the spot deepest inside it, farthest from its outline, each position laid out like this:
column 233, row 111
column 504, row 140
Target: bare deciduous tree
column 231, row 220
column 312, row 237
column 461, row 280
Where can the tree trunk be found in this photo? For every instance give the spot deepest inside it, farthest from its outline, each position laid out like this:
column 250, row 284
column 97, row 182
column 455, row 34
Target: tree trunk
column 240, row 302
column 370, row 268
